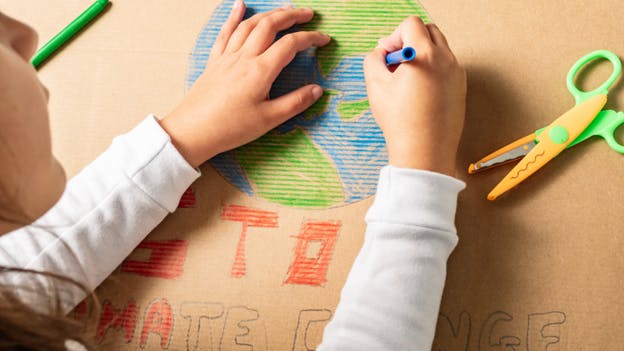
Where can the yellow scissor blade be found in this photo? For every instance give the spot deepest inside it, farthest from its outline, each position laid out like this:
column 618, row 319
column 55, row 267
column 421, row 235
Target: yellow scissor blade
column 553, row 139
column 534, row 160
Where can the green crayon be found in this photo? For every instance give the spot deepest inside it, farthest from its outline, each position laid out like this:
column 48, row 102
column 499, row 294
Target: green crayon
column 64, row 35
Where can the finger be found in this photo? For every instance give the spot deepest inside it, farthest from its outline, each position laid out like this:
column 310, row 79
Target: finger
column 291, row 104
column 393, row 42
column 242, row 31
column 236, row 16
column 264, row 33
column 284, row 50
column 414, row 28
column 437, row 36
column 375, row 64
column 415, row 34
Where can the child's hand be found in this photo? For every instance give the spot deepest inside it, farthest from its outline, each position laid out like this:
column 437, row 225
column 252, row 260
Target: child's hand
column 229, row 104
column 421, row 106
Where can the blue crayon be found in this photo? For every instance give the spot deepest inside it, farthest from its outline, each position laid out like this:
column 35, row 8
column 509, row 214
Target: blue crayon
column 404, row 55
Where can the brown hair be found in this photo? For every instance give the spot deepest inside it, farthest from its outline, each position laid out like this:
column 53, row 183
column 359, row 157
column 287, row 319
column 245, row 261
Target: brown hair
column 23, row 328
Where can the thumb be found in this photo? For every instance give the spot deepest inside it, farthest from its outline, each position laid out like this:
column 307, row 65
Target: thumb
column 287, row 106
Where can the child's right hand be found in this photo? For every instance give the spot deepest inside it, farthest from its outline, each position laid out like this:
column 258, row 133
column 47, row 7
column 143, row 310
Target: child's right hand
column 421, row 106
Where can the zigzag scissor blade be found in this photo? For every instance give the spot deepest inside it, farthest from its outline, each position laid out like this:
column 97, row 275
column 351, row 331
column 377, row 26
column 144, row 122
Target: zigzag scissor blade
column 551, row 141
column 509, row 156
column 534, row 160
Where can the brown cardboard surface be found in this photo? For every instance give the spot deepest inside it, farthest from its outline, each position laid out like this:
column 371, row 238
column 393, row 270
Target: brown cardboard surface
column 539, row 269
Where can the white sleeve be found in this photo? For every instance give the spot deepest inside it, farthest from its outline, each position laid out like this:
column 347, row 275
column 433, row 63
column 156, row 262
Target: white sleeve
column 104, row 213
column 391, row 298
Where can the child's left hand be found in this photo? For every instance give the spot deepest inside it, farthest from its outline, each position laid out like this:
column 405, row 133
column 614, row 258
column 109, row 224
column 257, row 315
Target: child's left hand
column 229, row 104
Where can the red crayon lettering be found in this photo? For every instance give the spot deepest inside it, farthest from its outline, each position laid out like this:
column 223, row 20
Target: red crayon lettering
column 123, row 319
column 313, row 270
column 159, row 321
column 188, row 199
column 81, row 311
column 166, row 259
column 249, row 218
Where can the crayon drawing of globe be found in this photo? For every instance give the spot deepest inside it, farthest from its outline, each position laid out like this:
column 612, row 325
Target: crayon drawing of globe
column 331, row 154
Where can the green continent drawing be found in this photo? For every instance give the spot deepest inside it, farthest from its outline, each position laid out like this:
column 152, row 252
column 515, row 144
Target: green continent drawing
column 355, row 25
column 305, row 178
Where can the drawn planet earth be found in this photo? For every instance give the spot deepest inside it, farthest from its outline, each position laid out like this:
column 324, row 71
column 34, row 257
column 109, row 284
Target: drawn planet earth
column 331, row 154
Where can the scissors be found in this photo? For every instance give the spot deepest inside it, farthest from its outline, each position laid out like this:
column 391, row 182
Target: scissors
column 585, row 120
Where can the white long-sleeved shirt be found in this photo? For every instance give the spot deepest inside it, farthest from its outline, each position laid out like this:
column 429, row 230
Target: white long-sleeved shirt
column 389, row 302
column 104, row 213
column 392, row 295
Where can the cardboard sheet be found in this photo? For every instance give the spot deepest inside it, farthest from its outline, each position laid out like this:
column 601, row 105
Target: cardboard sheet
column 239, row 269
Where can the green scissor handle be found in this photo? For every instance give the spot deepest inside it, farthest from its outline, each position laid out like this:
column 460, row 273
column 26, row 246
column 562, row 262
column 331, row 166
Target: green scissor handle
column 604, row 125
column 606, row 122
column 580, row 95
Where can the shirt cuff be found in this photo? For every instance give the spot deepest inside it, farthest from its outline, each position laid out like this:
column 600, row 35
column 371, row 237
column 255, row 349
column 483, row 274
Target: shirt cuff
column 416, row 197
column 148, row 157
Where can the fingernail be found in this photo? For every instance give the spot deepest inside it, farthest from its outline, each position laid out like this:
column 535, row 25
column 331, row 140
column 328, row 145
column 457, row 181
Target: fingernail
column 317, row 91
column 237, row 4
column 308, row 10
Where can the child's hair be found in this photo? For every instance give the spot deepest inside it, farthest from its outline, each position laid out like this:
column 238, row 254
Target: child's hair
column 23, row 328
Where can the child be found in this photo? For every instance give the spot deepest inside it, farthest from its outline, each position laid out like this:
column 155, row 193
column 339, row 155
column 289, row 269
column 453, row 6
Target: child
column 53, row 249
